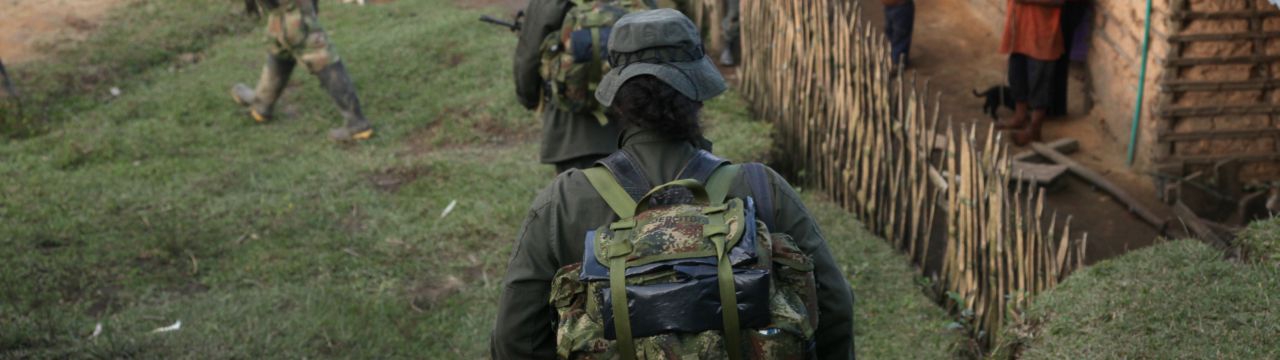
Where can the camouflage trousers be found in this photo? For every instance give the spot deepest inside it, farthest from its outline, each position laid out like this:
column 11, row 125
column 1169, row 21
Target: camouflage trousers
column 294, row 32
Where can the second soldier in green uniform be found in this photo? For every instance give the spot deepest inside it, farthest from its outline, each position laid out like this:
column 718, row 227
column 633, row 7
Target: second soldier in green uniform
column 572, row 139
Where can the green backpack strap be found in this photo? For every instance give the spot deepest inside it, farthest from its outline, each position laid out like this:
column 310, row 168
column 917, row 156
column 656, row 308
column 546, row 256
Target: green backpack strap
column 597, row 65
column 728, row 300
column 621, row 313
column 717, row 189
column 719, row 182
column 623, row 205
column 609, row 189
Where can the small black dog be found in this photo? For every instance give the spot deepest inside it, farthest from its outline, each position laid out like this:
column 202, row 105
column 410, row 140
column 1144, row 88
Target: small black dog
column 996, row 96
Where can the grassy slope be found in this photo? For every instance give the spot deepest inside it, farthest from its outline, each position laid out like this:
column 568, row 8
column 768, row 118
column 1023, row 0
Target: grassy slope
column 1172, row 300
column 166, row 203
column 1261, row 241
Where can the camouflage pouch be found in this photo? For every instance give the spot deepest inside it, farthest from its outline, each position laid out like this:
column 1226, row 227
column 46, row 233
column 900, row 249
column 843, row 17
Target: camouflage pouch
column 573, row 59
column 674, row 263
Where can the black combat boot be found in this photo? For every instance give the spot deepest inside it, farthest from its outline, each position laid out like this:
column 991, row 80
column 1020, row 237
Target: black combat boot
column 335, row 80
column 261, row 101
column 729, row 56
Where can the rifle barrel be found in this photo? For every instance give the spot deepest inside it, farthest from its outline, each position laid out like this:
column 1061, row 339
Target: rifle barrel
column 495, row 21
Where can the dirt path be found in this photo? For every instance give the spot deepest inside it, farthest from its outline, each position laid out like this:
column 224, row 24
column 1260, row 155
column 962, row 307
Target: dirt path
column 955, row 49
column 29, row 26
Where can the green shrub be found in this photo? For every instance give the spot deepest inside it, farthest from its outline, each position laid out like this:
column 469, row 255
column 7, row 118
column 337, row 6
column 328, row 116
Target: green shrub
column 1261, row 241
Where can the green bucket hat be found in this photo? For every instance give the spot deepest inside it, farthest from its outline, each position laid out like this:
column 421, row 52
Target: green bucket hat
column 663, row 43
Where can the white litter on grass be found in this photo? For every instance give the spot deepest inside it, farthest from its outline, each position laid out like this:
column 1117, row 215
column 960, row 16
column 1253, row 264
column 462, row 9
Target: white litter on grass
column 176, row 325
column 115, row 91
column 97, row 330
column 448, row 209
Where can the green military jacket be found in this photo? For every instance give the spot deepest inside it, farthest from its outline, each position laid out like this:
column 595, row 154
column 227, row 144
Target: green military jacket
column 553, row 232
column 273, row 5
column 565, row 135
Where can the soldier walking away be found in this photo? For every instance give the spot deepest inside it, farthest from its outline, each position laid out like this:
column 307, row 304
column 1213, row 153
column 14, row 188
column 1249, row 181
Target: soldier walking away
column 730, row 32
column 553, row 303
column 554, row 74
column 295, row 35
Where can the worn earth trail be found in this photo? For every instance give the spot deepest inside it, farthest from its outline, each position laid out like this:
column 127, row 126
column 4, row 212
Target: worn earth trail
column 28, row 26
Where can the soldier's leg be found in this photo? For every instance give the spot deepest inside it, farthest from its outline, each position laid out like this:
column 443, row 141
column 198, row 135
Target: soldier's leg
column 321, row 59
column 1021, row 89
column 261, row 99
column 730, row 32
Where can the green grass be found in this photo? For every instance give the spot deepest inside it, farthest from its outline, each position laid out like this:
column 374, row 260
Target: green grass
column 166, row 203
column 1176, row 300
column 1260, row 241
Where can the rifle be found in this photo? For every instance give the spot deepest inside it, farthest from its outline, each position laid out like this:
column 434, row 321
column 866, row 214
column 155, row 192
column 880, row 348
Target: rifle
column 513, row 25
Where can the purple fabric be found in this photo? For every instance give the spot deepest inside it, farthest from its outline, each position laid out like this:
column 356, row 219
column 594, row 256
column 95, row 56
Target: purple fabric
column 1080, row 39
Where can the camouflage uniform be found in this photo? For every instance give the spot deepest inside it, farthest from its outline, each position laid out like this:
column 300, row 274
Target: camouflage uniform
column 295, row 34
column 552, row 233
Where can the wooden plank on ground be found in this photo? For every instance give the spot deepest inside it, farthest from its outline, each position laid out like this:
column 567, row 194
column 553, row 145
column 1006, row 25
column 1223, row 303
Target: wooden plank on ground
column 1063, row 145
column 1193, row 222
column 1102, row 183
column 1042, row 174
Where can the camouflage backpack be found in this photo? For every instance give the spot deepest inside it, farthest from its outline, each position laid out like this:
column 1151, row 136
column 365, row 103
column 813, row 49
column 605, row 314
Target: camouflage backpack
column 575, row 58
column 678, row 255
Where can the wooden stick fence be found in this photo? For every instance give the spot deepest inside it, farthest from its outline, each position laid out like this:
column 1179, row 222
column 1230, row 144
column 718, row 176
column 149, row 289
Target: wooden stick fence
column 873, row 140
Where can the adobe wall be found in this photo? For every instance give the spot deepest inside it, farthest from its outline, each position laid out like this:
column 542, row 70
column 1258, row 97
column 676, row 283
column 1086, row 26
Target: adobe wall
column 1114, row 64
column 1234, row 72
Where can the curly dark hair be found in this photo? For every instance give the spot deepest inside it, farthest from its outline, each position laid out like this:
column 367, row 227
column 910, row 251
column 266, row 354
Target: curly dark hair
column 649, row 103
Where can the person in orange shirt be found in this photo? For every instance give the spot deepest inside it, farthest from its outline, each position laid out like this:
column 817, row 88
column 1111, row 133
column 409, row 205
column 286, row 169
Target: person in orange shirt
column 1033, row 40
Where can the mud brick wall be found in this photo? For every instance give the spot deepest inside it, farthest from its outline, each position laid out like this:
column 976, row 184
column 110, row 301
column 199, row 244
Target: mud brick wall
column 1115, row 62
column 1256, row 171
